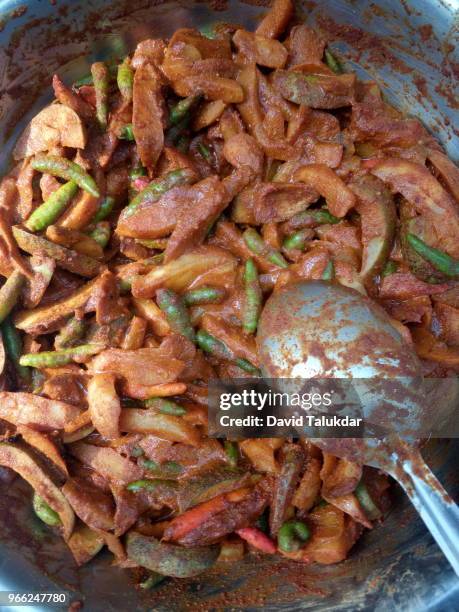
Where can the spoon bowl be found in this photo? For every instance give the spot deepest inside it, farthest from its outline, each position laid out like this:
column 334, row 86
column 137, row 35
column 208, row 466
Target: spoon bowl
column 322, row 330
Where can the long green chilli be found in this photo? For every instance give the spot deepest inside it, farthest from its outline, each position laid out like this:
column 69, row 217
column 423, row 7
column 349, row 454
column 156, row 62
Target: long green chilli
column 252, row 299
column 176, row 312
column 258, row 246
column 44, row 512
column 54, row 359
column 440, row 260
column 101, row 78
column 66, row 169
column 164, row 406
column 214, row 346
column 125, row 80
column 49, row 211
column 13, row 347
column 332, row 62
column 182, row 109
column 156, row 188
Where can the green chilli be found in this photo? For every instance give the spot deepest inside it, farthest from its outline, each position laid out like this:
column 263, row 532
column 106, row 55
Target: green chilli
column 439, row 259
column 9, row 293
column 390, row 267
column 252, row 299
column 164, row 406
column 86, row 80
column 44, row 512
column 247, row 366
column 204, row 295
column 137, row 172
column 101, row 233
column 70, row 334
column 311, row 218
column 49, row 211
column 156, row 188
column 181, row 110
column 204, row 151
column 105, row 209
column 153, row 243
column 332, row 62
column 329, row 272
column 146, row 484
column 293, row 535
column 127, row 133
column 125, row 80
column 297, row 240
column 213, row 346
column 258, row 246
column 176, row 132
column 364, row 498
column 232, row 453
column 55, row 359
column 65, row 169
column 176, row 312
column 101, row 79
column 13, row 347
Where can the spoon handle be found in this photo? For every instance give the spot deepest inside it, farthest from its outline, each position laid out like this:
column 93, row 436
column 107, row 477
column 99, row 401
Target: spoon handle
column 438, row 511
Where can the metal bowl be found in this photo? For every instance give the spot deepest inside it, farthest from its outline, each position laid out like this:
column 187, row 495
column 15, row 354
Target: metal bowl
column 409, row 48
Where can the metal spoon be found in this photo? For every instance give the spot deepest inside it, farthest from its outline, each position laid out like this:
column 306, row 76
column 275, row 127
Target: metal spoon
column 316, row 329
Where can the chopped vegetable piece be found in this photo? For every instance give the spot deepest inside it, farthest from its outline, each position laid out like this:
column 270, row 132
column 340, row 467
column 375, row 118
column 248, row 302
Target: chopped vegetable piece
column 101, row 233
column 13, row 347
column 156, row 188
column 332, row 62
column 204, row 295
column 44, row 512
column 169, row 559
column 257, row 539
column 127, row 133
column 125, row 80
column 292, row 458
column 212, row 345
column 66, row 169
column 165, row 406
column 9, row 293
column 175, row 310
column 49, row 211
column 166, row 426
column 293, row 535
column 101, row 80
column 232, row 453
column 390, row 267
column 258, row 246
column 70, row 334
column 137, row 172
column 67, row 258
column 105, row 209
column 85, row 543
column 21, row 462
column 85, row 80
column 253, row 298
column 440, row 260
column 55, row 359
column 297, row 240
column 148, row 485
column 370, row 508
column 329, row 272
column 182, row 109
